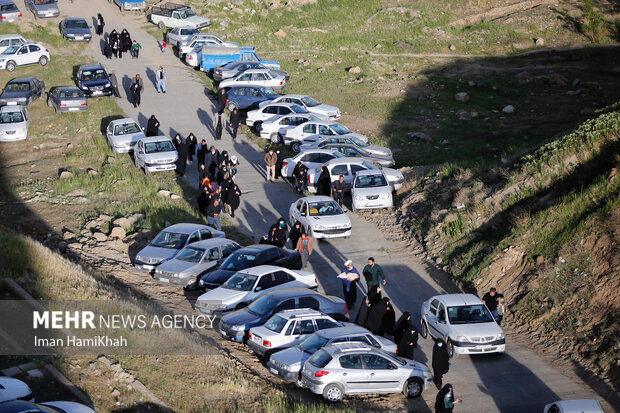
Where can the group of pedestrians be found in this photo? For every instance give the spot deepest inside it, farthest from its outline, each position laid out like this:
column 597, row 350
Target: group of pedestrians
column 115, row 44
column 299, row 240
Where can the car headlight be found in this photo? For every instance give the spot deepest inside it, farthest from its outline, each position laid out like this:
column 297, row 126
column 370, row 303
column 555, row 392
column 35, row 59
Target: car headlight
column 319, row 226
column 460, row 338
column 236, row 327
column 139, row 258
column 384, row 196
column 108, row 84
column 359, row 198
column 84, row 87
column 201, row 283
column 500, row 336
column 157, row 271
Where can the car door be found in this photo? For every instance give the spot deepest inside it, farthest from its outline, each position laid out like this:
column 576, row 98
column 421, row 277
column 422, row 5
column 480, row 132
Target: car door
column 265, row 283
column 302, row 330
column 193, row 237
column 282, row 279
column 205, row 234
column 308, row 129
column 431, row 319
column 21, row 57
column 296, row 212
column 269, row 256
column 325, row 130
column 383, row 374
column 354, row 375
column 340, row 169
column 309, row 302
column 312, row 160
column 109, row 132
column 246, row 77
column 209, row 260
column 53, row 98
column 139, row 153
column 34, row 52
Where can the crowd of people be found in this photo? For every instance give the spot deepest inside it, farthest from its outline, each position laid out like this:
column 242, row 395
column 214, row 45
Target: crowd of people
column 115, row 44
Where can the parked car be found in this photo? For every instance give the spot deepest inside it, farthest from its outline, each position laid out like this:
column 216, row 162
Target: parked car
column 256, row 117
column 130, row 4
column 22, row 406
column 43, row 8
column 287, row 364
column 574, row 406
column 123, row 134
column 8, row 40
column 322, row 141
column 235, row 326
column 93, row 80
column 235, row 68
column 200, row 40
column 248, row 257
column 176, row 15
column 22, row 91
column 8, row 11
column 326, row 111
column 75, row 29
column 312, row 159
column 306, row 133
column 154, row 154
column 213, row 57
column 247, row 285
column 193, row 261
column 180, row 34
column 463, row 322
column 287, row 329
column 66, row 99
column 371, row 190
column 11, row 389
column 256, row 77
column 321, row 217
column 348, row 167
column 26, row 54
column 248, row 97
column 276, row 126
column 170, row 241
column 14, row 123
column 354, row 151
column 357, row 368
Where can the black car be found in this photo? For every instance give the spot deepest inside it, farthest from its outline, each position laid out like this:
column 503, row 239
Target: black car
column 248, row 97
column 93, row 81
column 22, row 91
column 248, row 257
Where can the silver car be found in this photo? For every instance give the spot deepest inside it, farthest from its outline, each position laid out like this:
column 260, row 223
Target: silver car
column 155, row 153
column 14, row 123
column 180, row 34
column 123, row 134
column 312, row 159
column 287, row 364
column 200, row 40
column 8, row 40
column 194, row 261
column 67, row 99
column 8, row 11
column 256, row 117
column 167, row 244
column 233, row 69
column 43, row 8
column 314, row 106
column 75, row 29
column 371, row 190
column 321, row 217
column 348, row 167
column 357, row 368
column 354, row 151
column 322, row 141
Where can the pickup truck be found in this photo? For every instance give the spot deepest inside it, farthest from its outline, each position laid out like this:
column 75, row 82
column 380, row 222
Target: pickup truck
column 130, row 4
column 175, row 15
column 211, row 57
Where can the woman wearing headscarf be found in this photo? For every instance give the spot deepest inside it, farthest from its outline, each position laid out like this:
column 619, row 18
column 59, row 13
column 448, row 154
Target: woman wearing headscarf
column 177, row 141
column 152, row 126
column 279, row 162
column 182, row 155
column 100, row 24
column 191, row 146
column 282, row 229
column 373, row 298
column 387, row 322
column 325, row 182
column 376, row 315
column 125, row 41
column 232, row 198
column 295, row 234
column 445, row 400
column 403, row 323
column 225, row 158
column 304, row 247
column 441, row 361
column 226, row 185
column 407, row 342
column 203, row 199
column 113, row 36
column 349, row 277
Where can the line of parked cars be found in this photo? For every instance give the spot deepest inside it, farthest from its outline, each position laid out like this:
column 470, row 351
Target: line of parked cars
column 17, row 397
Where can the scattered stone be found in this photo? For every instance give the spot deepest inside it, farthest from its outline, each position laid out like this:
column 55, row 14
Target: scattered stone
column 100, row 236
column 377, row 46
column 474, row 114
column 122, row 222
column 452, row 47
column 539, row 41
column 320, row 69
column 69, row 145
column 78, row 192
column 471, row 83
column 111, row 159
column 421, row 136
column 164, row 193
column 587, row 111
column 612, row 175
column 103, row 218
column 556, row 80
column 91, row 171
column 462, row 97
column 353, row 69
column 118, row 232
column 136, row 219
column 509, row 109
column 280, row 33
column 36, row 147
column 67, row 235
column 64, row 174
column 35, row 374
column 343, row 48
column 540, row 260
column 175, row 196
column 115, row 393
column 463, row 114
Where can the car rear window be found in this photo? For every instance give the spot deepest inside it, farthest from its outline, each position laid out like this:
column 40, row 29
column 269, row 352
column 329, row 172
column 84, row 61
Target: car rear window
column 98, row 74
column 8, row 7
column 320, row 359
column 156, row 147
column 125, row 128
column 17, row 87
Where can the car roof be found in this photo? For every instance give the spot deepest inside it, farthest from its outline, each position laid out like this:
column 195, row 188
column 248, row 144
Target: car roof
column 184, row 27
column 262, row 269
column 13, row 406
column 66, row 88
column 6, row 2
column 313, row 150
column 211, row 242
column 345, row 159
column 457, row 299
column 335, row 348
column 184, row 228
column 293, row 96
column 11, row 36
column 323, row 122
column 256, row 71
column 22, row 79
column 342, row 331
column 316, row 198
column 159, row 138
column 256, row 248
column 11, row 108
column 75, row 19
column 301, row 313
column 285, row 104
column 122, row 121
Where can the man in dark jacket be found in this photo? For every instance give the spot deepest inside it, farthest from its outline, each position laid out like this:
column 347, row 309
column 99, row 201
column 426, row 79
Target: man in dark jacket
column 490, row 299
column 373, row 273
column 235, row 121
column 222, row 100
column 213, row 213
column 201, row 154
column 211, row 162
column 338, row 190
column 114, row 83
column 136, row 88
column 300, row 177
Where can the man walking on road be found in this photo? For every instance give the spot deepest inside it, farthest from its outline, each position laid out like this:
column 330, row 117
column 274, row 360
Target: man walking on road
column 136, row 90
column 135, row 49
column 338, row 190
column 161, row 80
column 270, row 161
column 114, row 83
column 235, row 121
column 213, row 214
column 373, row 273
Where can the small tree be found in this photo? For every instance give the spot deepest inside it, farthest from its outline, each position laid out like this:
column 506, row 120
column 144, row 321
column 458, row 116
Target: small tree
column 594, row 24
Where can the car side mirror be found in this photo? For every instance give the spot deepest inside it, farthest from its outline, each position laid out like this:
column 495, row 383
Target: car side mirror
column 442, row 321
column 303, row 214
column 392, row 367
column 257, row 289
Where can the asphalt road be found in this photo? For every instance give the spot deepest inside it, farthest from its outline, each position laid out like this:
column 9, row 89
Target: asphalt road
column 517, row 381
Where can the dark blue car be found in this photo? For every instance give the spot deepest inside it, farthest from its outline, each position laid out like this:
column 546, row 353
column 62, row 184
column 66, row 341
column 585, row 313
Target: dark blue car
column 93, row 81
column 248, row 97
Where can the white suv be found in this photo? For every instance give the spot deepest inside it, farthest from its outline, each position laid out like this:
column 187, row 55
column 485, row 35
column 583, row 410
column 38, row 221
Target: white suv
column 25, row 54
column 463, row 322
column 287, row 329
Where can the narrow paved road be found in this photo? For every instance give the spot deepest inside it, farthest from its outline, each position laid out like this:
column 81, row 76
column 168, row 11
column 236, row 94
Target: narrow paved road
column 518, row 381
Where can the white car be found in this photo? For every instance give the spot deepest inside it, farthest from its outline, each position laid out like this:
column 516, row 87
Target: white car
column 307, row 133
column 180, row 34
column 123, row 134
column 371, row 190
column 255, row 77
column 247, row 285
column 276, row 126
column 463, row 322
column 198, row 41
column 25, row 54
column 321, row 217
column 155, row 153
column 11, row 389
column 323, row 141
column 574, row 406
column 312, row 159
column 256, row 117
column 8, row 40
column 348, row 167
column 321, row 109
column 287, row 329
column 23, row 406
column 14, row 123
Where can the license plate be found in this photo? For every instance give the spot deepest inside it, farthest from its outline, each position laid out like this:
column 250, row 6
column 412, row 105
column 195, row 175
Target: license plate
column 164, row 280
column 257, row 339
column 97, row 92
column 79, row 37
column 73, row 109
column 274, row 371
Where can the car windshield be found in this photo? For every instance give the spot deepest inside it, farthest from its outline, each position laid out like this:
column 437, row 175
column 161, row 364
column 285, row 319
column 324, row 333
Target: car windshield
column 240, row 282
column 262, row 306
column 76, row 24
column 370, row 181
column 171, row 240
column 299, row 109
column 126, row 128
column 368, row 165
column 324, row 208
column 8, row 7
column 71, row 93
column 97, row 74
column 238, row 261
column 308, row 101
column 189, row 32
column 469, row 314
column 156, row 147
column 190, row 254
column 339, row 129
column 186, row 13
column 17, row 87
column 276, row 323
column 11, row 117
column 313, row 343
column 11, row 50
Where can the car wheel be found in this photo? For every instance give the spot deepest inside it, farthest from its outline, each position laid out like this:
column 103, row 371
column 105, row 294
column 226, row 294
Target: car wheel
column 49, row 103
column 240, row 306
column 413, row 387
column 295, row 146
column 299, row 382
column 333, row 393
column 424, row 330
column 258, row 126
column 450, row 348
column 10, row 66
column 161, row 25
column 276, row 138
column 232, row 106
column 43, row 60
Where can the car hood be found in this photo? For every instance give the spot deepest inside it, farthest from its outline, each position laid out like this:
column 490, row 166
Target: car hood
column 13, row 388
column 392, row 174
column 78, row 31
column 358, row 136
column 196, row 21
column 242, row 317
column 476, row 329
column 178, row 266
column 218, row 276
column 90, row 83
column 157, row 252
column 222, row 295
column 70, row 407
column 293, row 357
column 380, row 150
column 331, row 221
column 170, row 156
column 130, row 137
column 324, row 109
column 15, row 95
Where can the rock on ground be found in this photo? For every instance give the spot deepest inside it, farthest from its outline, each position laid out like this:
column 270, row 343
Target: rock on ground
column 462, row 97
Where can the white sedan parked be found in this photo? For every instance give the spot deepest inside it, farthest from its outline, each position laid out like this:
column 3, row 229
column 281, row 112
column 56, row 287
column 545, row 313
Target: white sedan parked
column 321, row 109
column 180, row 34
column 321, row 217
column 256, row 77
column 276, row 126
column 123, row 134
column 14, row 123
column 349, row 167
column 323, row 141
column 256, row 117
column 371, row 190
column 155, row 153
column 307, row 133
column 312, row 159
column 26, row 54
